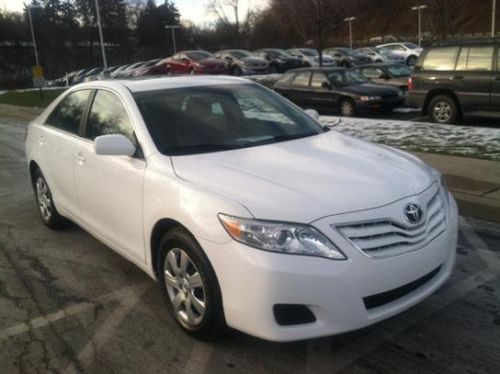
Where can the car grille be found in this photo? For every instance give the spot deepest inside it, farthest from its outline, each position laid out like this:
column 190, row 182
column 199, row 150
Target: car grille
column 386, row 238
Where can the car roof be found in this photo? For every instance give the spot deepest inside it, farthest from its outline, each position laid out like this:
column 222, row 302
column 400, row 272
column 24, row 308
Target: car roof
column 163, row 83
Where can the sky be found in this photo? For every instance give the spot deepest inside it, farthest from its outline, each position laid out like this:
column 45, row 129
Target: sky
column 193, row 10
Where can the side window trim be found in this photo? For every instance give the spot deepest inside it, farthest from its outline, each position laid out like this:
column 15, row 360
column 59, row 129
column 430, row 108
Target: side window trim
column 86, row 113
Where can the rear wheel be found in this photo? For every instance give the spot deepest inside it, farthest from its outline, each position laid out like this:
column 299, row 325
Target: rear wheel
column 190, row 286
column 192, row 71
column 347, row 108
column 411, row 60
column 237, row 71
column 48, row 212
column 345, row 64
column 443, row 109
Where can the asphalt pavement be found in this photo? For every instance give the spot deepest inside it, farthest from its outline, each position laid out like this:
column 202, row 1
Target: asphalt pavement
column 70, row 304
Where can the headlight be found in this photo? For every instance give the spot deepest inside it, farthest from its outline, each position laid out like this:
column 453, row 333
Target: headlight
column 281, row 237
column 369, row 98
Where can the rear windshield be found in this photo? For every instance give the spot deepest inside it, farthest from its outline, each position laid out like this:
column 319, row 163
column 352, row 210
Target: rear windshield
column 204, row 119
column 198, row 56
column 399, row 71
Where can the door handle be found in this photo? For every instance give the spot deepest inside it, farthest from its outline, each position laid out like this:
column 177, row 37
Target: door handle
column 41, row 140
column 80, row 158
column 457, row 77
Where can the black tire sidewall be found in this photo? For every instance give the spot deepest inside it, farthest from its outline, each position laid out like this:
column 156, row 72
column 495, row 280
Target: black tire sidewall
column 213, row 321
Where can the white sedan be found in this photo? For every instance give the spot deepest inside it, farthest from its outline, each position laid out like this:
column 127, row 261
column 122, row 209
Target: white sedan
column 245, row 209
column 409, row 51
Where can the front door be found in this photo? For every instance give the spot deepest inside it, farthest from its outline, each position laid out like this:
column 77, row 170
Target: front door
column 110, row 187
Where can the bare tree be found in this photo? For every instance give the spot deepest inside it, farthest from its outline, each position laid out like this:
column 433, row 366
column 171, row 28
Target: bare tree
column 228, row 12
column 450, row 17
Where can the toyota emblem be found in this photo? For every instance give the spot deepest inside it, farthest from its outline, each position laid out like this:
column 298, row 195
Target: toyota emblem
column 413, row 213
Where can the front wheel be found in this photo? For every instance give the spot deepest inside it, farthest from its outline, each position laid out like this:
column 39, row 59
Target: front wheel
column 443, row 109
column 347, row 108
column 237, row 71
column 190, row 286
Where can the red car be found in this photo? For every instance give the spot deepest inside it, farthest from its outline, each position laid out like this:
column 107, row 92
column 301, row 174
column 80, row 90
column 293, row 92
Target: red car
column 195, row 62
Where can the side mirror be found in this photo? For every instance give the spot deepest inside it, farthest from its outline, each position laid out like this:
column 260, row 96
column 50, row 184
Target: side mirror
column 312, row 113
column 114, row 145
column 326, row 85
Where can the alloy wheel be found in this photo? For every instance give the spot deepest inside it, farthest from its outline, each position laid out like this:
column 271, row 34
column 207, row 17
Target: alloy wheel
column 184, row 287
column 442, row 111
column 346, row 109
column 44, row 199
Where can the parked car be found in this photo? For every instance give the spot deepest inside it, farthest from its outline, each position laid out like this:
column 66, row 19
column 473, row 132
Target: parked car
column 381, row 55
column 241, row 62
column 409, row 51
column 117, row 72
column 347, row 57
column 279, row 60
column 148, row 68
column 456, row 77
column 78, row 76
column 195, row 62
column 129, row 70
column 391, row 74
column 310, row 57
column 242, row 191
column 337, row 89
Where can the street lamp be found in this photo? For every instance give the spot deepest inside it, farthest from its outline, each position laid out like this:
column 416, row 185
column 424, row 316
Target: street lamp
column 493, row 17
column 419, row 8
column 29, row 7
column 350, row 19
column 99, row 26
column 172, row 27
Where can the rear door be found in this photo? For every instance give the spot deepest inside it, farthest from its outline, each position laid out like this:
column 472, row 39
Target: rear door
column 495, row 84
column 57, row 141
column 110, row 187
column 474, row 75
column 299, row 91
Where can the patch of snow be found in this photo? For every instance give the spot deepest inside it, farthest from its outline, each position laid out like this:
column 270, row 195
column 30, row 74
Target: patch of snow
column 477, row 142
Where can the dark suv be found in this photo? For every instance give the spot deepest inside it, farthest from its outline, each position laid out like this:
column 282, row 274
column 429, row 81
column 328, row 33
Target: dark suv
column 453, row 78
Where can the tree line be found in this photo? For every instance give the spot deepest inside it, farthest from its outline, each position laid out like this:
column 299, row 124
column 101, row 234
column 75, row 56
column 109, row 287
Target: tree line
column 67, row 37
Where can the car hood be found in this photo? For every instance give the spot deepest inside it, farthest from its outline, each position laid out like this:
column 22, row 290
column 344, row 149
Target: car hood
column 211, row 62
column 306, row 179
column 370, row 89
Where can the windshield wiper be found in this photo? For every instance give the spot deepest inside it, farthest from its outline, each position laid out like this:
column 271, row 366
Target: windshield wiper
column 202, row 147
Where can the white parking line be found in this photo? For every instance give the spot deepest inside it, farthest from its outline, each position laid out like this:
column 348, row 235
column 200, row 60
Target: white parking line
column 105, row 330
column 199, row 358
column 318, row 362
column 42, row 321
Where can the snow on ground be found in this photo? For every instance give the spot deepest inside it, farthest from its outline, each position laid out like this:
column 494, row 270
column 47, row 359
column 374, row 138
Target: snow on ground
column 476, row 142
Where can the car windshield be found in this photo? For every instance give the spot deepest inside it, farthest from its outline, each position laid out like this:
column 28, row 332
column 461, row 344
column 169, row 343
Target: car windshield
column 204, row 119
column 399, row 71
column 199, row 55
column 281, row 53
column 240, row 54
column 410, row 45
column 345, row 51
column 345, row 78
column 310, row 52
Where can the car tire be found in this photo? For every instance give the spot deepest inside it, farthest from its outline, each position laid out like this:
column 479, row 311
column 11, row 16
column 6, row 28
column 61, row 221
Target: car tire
column 273, row 69
column 411, row 60
column 46, row 207
column 444, row 109
column 192, row 71
column 347, row 108
column 191, row 292
column 345, row 64
column 236, row 71
column 378, row 61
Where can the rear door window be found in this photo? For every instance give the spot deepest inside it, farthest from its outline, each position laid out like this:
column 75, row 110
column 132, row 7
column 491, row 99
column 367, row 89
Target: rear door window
column 318, row 79
column 68, row 113
column 301, row 80
column 476, row 58
column 441, row 59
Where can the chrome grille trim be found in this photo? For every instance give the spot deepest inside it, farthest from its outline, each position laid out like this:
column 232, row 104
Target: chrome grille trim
column 388, row 237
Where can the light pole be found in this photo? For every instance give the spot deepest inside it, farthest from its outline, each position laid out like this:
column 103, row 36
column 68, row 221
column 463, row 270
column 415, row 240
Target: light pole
column 99, row 26
column 493, row 17
column 29, row 7
column 419, row 8
column 350, row 19
column 172, row 27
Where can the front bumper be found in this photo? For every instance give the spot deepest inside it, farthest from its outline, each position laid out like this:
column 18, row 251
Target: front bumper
column 367, row 106
column 253, row 281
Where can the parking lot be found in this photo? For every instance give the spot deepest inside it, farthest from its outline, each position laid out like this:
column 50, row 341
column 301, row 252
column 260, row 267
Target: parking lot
column 70, row 304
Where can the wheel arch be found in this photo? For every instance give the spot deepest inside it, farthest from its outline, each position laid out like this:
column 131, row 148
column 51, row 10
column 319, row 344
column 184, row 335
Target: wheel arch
column 33, row 167
column 437, row 92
